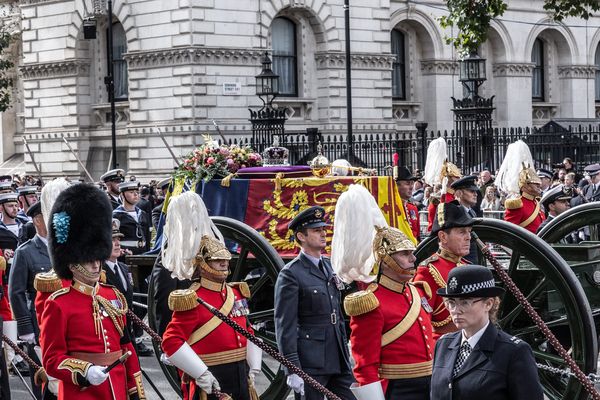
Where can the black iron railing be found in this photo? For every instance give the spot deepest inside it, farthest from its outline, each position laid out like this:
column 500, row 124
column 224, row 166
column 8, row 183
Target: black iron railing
column 376, row 150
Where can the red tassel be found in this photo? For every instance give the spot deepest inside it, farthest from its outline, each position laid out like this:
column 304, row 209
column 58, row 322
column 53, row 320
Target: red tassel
column 395, row 159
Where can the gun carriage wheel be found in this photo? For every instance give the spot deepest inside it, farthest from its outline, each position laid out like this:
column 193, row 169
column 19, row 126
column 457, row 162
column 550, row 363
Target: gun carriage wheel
column 256, row 262
column 552, row 288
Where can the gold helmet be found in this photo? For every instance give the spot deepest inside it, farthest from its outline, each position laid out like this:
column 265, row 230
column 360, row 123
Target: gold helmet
column 450, row 170
column 528, row 175
column 212, row 249
column 388, row 241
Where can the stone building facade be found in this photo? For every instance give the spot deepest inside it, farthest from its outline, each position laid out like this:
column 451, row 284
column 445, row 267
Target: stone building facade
column 180, row 64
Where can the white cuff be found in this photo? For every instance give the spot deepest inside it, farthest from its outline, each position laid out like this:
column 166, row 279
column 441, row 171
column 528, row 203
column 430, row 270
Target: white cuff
column 253, row 356
column 372, row 391
column 9, row 328
column 186, row 359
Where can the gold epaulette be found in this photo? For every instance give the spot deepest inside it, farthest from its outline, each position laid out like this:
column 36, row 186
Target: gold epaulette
column 47, row 282
column 433, row 258
column 2, row 263
column 102, row 276
column 425, row 286
column 60, row 292
column 361, row 302
column 242, row 287
column 182, row 300
column 511, row 204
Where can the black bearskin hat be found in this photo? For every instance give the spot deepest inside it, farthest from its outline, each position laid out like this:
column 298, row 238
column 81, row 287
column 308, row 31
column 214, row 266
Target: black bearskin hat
column 79, row 228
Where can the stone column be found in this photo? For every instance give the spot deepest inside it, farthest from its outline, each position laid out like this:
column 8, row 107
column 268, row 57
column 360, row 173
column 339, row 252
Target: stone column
column 577, row 90
column 439, row 80
column 512, row 87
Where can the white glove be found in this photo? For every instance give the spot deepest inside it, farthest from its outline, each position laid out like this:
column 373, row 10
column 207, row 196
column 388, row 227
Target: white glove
column 29, row 338
column 252, row 374
column 96, row 375
column 207, row 382
column 296, row 383
column 53, row 385
column 165, row 360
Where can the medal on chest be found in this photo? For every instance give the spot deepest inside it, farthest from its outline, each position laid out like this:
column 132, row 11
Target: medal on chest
column 338, row 282
column 426, row 305
column 240, row 308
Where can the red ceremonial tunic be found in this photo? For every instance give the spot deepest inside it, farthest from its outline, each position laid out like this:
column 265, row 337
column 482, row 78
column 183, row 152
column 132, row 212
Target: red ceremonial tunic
column 5, row 311
column 408, row 356
column 432, row 208
column 222, row 345
column 412, row 216
column 68, row 326
column 435, row 272
column 529, row 215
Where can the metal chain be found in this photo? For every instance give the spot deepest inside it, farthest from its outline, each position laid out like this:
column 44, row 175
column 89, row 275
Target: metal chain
column 516, row 292
column 566, row 373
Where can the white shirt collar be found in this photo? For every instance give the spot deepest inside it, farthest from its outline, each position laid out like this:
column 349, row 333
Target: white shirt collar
column 43, row 239
column 475, row 338
column 110, row 264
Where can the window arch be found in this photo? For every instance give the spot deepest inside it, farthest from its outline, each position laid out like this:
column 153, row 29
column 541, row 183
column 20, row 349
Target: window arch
column 399, row 66
column 537, row 82
column 285, row 60
column 119, row 48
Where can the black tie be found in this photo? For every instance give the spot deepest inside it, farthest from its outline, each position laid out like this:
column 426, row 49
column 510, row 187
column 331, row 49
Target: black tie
column 323, row 268
column 465, row 350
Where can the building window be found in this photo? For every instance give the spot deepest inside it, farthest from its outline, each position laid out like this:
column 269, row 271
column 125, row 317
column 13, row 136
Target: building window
column 597, row 63
column 399, row 69
column 119, row 48
column 285, row 56
column 537, row 83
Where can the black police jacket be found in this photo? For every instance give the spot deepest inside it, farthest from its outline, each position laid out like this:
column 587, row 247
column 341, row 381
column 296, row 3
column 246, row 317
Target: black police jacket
column 500, row 367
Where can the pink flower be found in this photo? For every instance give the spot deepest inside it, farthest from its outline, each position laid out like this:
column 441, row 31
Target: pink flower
column 229, row 161
column 210, row 160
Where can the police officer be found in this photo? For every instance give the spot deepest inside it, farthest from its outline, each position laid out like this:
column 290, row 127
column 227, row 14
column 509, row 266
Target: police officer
column 466, row 193
column 135, row 227
column 592, row 191
column 112, row 179
column 392, row 342
column 309, row 323
column 405, row 182
column 30, row 259
column 480, row 361
column 452, row 226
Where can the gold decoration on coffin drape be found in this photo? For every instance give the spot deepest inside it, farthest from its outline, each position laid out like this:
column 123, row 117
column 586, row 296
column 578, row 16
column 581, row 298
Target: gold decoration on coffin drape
column 276, row 208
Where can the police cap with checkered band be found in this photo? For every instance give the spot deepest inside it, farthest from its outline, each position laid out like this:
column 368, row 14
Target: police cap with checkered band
column 470, row 281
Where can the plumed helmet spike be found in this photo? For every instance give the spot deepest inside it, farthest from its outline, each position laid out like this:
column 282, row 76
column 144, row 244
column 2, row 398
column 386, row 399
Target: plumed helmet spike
column 50, row 192
column 388, row 241
column 351, row 252
column 80, row 228
column 437, row 153
column 517, row 158
column 187, row 222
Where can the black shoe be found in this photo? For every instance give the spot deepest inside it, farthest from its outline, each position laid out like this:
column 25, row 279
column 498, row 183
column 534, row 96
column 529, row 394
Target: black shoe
column 143, row 350
column 22, row 367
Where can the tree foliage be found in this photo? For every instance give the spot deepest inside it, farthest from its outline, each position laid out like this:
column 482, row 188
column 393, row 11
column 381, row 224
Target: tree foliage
column 472, row 18
column 6, row 65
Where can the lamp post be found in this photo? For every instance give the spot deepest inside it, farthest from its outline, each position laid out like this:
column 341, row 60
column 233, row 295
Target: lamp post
column 267, row 121
column 89, row 32
column 473, row 116
column 472, row 73
column 267, row 82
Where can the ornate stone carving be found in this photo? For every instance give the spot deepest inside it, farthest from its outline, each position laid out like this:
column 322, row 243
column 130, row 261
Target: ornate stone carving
column 513, row 69
column 193, row 55
column 576, row 71
column 55, row 69
column 439, row 67
column 359, row 61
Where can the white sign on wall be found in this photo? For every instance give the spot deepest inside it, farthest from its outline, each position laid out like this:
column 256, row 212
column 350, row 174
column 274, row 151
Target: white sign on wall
column 232, row 89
